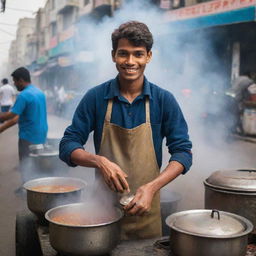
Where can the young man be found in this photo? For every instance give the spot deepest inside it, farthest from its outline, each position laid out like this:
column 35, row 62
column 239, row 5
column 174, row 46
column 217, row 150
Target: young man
column 29, row 111
column 130, row 117
column 7, row 95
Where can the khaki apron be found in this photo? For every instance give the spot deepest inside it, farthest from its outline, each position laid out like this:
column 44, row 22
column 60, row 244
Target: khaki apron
column 133, row 150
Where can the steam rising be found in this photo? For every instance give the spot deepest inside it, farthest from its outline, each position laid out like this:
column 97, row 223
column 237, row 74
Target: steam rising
column 187, row 64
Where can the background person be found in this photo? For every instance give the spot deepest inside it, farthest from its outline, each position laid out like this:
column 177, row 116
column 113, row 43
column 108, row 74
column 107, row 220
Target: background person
column 29, row 111
column 7, row 95
column 238, row 93
column 130, row 117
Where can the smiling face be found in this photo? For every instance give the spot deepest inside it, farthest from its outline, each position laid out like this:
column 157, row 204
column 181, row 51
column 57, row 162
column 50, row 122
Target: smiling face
column 130, row 61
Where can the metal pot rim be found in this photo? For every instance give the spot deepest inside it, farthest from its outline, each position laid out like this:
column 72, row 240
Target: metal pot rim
column 242, row 179
column 120, row 212
column 228, row 189
column 248, row 224
column 28, row 184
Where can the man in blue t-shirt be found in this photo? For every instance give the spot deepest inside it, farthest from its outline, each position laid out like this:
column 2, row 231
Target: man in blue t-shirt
column 29, row 111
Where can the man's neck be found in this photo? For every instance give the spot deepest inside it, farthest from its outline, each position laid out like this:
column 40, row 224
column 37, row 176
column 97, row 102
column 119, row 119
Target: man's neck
column 131, row 89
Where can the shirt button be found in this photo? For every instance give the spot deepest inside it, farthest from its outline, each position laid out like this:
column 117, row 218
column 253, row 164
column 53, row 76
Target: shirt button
column 129, row 113
column 127, row 105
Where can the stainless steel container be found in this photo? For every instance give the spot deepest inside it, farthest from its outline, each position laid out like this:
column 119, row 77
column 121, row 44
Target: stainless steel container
column 46, row 161
column 79, row 240
column 232, row 191
column 208, row 232
column 40, row 202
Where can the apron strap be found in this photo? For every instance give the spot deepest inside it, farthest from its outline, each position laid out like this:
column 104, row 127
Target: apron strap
column 109, row 110
column 110, row 106
column 147, row 111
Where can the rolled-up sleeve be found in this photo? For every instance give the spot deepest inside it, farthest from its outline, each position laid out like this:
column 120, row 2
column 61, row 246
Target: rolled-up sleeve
column 76, row 135
column 176, row 131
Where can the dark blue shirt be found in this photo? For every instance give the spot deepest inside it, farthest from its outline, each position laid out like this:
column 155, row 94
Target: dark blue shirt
column 30, row 105
column 165, row 116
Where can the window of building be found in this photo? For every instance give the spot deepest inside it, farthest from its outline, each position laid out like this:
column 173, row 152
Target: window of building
column 86, row 2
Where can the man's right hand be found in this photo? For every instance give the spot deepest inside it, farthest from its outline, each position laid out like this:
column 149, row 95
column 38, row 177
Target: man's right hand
column 113, row 175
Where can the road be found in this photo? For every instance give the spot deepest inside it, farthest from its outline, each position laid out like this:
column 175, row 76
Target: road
column 210, row 154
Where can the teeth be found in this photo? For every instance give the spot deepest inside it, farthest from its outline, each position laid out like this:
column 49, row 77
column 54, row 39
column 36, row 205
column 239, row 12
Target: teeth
column 130, row 70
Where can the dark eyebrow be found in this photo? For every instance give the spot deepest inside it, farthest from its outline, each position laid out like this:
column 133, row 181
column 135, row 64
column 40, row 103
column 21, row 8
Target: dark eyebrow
column 121, row 50
column 139, row 51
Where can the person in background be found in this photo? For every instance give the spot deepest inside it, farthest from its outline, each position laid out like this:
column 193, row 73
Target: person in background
column 238, row 93
column 7, row 96
column 29, row 110
column 130, row 117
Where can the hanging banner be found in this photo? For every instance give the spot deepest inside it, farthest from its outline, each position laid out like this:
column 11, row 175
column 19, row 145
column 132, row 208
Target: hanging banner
column 207, row 8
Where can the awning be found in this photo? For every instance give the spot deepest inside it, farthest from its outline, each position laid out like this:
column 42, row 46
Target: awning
column 210, row 14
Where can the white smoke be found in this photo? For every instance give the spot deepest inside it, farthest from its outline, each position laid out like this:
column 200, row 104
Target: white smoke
column 180, row 61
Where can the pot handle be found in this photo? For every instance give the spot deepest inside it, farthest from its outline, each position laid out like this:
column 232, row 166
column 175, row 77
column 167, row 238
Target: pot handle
column 247, row 170
column 215, row 211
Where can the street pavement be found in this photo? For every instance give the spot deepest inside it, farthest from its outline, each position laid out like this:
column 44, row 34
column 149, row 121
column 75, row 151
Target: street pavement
column 210, row 154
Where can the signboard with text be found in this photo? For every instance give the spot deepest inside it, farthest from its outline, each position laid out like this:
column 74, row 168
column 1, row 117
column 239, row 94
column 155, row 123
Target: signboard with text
column 208, row 8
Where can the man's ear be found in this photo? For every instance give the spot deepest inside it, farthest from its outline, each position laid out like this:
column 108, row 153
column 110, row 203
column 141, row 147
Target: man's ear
column 149, row 56
column 113, row 56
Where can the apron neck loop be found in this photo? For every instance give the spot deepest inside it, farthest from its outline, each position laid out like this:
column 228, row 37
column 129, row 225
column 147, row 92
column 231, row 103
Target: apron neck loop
column 147, row 110
column 110, row 106
column 109, row 110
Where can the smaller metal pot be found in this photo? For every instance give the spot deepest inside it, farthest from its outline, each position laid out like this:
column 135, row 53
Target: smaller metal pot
column 98, row 237
column 40, row 202
column 208, row 232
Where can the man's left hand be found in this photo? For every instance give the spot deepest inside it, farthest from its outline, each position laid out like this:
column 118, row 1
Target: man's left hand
column 141, row 203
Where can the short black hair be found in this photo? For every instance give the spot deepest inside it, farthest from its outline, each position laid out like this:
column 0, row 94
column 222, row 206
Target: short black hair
column 136, row 32
column 21, row 73
column 5, row 81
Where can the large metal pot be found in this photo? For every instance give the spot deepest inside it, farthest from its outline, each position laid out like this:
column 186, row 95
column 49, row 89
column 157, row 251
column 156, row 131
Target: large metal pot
column 208, row 232
column 232, row 191
column 39, row 202
column 45, row 160
column 98, row 237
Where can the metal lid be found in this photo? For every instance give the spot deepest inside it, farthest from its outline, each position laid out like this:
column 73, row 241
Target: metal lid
column 209, row 223
column 126, row 199
column 239, row 180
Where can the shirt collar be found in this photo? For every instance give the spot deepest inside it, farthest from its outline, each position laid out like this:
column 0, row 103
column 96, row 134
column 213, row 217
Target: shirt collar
column 113, row 90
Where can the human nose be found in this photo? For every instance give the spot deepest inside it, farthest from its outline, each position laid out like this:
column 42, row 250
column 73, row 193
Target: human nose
column 129, row 60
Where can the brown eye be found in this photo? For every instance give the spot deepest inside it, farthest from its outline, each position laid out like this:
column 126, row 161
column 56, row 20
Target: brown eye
column 139, row 54
column 121, row 54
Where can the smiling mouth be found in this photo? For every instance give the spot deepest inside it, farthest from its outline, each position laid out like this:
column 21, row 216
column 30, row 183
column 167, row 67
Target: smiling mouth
column 130, row 70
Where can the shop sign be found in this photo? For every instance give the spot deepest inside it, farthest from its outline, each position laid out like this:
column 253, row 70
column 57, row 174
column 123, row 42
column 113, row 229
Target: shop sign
column 54, row 51
column 101, row 2
column 66, row 34
column 207, row 8
column 63, row 47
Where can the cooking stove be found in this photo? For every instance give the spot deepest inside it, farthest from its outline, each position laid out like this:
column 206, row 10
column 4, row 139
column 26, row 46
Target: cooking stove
column 147, row 247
